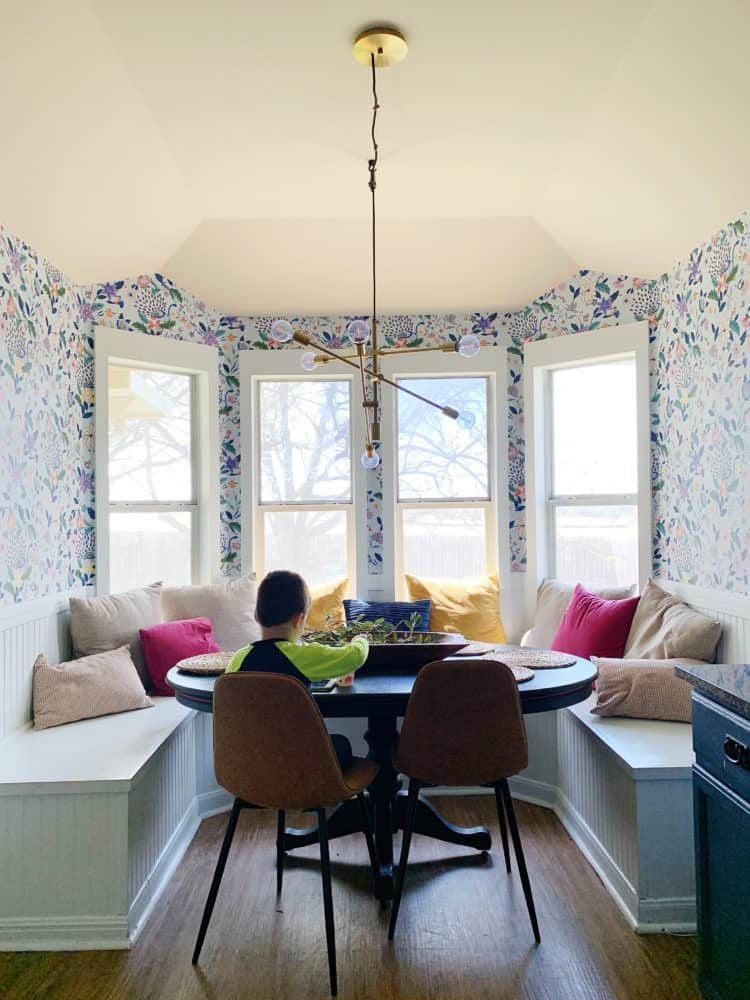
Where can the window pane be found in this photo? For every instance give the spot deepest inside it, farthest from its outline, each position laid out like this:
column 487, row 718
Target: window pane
column 149, row 435
column 310, row 542
column 596, row 546
column 144, row 547
column 304, row 441
column 594, row 429
column 447, row 541
column 437, row 458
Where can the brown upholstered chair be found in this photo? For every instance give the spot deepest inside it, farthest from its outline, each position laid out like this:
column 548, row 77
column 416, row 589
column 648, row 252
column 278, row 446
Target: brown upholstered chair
column 463, row 726
column 272, row 750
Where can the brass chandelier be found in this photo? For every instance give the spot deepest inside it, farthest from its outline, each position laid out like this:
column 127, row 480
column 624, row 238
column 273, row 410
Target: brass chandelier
column 376, row 47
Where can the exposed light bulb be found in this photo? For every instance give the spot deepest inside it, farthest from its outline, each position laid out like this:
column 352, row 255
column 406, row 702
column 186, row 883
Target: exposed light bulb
column 370, row 458
column 466, row 419
column 358, row 331
column 281, row 330
column 469, row 345
column 308, row 362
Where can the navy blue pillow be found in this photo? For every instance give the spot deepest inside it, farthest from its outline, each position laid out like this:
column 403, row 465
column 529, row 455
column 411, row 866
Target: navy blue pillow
column 394, row 612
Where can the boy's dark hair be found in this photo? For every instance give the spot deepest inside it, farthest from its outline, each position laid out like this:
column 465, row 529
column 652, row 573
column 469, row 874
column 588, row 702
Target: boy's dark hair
column 281, row 595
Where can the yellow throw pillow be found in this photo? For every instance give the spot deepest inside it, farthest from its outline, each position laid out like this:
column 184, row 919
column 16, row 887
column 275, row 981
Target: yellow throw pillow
column 327, row 608
column 471, row 607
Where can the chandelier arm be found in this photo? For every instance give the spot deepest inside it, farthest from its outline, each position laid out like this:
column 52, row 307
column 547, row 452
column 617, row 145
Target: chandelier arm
column 449, row 411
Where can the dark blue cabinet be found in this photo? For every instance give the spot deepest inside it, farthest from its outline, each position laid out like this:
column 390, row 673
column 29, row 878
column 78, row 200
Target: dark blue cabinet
column 721, row 779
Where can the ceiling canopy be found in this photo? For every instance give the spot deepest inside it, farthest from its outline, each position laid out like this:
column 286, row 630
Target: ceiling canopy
column 225, row 144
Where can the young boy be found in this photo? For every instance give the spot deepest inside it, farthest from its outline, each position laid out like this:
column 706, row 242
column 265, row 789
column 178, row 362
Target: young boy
column 281, row 607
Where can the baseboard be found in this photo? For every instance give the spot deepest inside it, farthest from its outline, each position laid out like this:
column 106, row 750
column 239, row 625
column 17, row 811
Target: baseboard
column 538, row 793
column 667, row 916
column 149, row 893
column 213, row 803
column 645, row 916
column 108, row 933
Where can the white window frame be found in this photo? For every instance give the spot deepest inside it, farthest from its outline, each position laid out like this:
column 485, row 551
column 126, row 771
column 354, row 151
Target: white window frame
column 258, row 366
column 541, row 358
column 490, row 363
column 139, row 350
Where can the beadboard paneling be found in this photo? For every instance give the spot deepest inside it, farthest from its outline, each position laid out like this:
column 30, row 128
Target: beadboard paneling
column 601, row 793
column 25, row 631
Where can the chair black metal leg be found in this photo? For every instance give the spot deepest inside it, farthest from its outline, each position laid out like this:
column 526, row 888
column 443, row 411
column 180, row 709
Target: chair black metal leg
column 280, row 828
column 367, row 829
column 411, row 813
column 503, row 826
column 325, row 867
column 216, row 882
column 520, row 860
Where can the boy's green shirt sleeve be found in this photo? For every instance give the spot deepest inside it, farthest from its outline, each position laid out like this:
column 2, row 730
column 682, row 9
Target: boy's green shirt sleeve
column 236, row 662
column 315, row 660
column 321, row 663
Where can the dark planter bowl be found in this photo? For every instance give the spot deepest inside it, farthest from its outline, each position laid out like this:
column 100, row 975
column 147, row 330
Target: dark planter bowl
column 410, row 656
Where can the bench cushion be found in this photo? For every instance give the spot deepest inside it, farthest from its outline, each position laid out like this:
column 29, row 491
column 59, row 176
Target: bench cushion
column 104, row 754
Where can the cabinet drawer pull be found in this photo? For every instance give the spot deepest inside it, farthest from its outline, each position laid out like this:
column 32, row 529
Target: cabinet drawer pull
column 736, row 752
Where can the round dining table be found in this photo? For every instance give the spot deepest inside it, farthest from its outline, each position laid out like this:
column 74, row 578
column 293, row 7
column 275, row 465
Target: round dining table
column 381, row 698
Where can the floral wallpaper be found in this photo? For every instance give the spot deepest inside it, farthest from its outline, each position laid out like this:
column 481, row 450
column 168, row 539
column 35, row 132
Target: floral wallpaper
column 46, row 515
column 698, row 315
column 700, row 416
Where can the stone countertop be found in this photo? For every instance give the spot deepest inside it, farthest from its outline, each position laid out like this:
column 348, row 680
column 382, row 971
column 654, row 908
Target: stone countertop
column 727, row 683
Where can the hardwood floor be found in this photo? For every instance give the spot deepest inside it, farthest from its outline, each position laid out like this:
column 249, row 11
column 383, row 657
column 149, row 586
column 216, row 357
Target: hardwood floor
column 463, row 930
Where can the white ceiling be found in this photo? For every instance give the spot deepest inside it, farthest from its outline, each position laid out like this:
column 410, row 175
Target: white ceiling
column 225, row 144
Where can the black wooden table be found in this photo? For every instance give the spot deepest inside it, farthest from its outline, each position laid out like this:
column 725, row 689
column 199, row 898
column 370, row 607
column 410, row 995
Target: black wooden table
column 381, row 699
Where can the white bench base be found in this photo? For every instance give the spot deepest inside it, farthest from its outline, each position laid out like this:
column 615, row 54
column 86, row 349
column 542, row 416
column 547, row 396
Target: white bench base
column 94, row 818
column 625, row 797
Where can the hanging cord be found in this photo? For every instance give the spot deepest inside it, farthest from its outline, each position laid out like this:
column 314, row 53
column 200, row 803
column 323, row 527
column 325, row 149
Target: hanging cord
column 372, row 165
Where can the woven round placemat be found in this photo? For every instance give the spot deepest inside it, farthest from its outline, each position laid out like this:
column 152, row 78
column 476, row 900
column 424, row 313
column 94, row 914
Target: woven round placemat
column 520, row 656
column 522, row 674
column 205, row 665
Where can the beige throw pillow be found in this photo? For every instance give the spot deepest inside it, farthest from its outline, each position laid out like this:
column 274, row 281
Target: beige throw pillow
column 98, row 624
column 643, row 689
column 552, row 600
column 664, row 627
column 87, row 688
column 230, row 607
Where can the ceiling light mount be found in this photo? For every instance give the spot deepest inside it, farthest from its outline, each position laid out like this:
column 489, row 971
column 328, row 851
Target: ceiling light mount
column 386, row 44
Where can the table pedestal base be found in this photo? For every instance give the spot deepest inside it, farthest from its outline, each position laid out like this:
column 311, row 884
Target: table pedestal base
column 387, row 804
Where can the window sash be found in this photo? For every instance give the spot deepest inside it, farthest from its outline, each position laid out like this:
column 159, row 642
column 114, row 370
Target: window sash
column 490, row 533
column 488, row 443
column 259, row 535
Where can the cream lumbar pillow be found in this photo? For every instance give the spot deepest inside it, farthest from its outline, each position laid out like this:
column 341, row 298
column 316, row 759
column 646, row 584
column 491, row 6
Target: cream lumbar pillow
column 643, row 689
column 552, row 600
column 664, row 627
column 469, row 607
column 230, row 607
column 86, row 688
column 98, row 624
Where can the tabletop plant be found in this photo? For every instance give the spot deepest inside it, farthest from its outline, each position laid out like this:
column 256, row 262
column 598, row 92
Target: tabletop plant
column 378, row 631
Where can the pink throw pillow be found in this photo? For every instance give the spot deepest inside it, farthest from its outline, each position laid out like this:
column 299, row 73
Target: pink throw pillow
column 591, row 625
column 168, row 643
